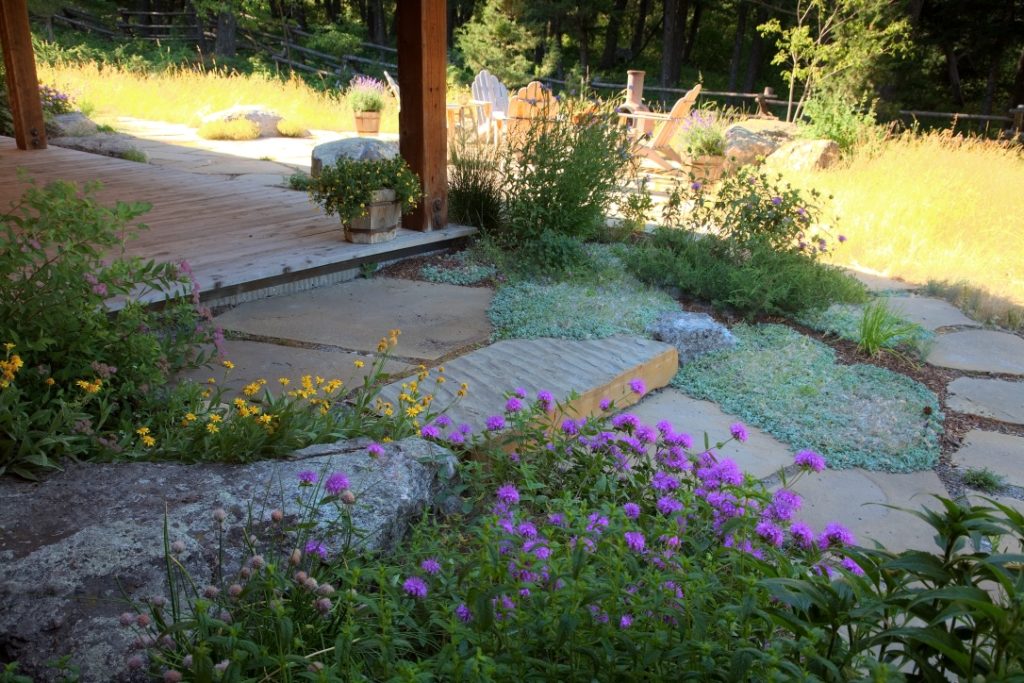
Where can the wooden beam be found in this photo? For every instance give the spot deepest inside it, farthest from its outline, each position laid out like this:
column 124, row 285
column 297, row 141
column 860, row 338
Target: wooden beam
column 22, row 83
column 422, row 122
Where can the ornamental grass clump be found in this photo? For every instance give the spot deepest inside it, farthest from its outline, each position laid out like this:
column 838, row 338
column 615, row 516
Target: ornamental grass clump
column 585, row 549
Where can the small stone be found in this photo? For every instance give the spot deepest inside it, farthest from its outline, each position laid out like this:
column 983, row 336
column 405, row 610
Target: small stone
column 748, row 141
column 693, row 334
column 72, row 124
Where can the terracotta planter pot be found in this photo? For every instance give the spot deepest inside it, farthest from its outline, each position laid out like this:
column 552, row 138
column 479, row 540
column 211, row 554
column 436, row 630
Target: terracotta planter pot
column 380, row 223
column 367, row 122
column 707, row 169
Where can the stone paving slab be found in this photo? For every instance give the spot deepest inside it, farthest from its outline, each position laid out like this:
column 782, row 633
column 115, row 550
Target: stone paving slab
column 979, row 351
column 880, row 283
column 593, row 368
column 761, row 456
column 258, row 360
column 435, row 319
column 993, row 398
column 856, row 498
column 1001, row 453
column 930, row 313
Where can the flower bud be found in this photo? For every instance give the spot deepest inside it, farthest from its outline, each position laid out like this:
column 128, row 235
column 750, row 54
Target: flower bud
column 296, row 557
column 348, row 498
column 276, row 515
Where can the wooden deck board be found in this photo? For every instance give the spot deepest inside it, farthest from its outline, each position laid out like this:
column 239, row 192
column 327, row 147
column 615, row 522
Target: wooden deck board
column 236, row 236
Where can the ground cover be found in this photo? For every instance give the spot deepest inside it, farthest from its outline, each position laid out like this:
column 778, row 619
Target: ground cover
column 790, row 386
column 934, row 207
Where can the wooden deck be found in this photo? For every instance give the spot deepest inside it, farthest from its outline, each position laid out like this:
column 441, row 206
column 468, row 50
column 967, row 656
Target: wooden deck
column 238, row 236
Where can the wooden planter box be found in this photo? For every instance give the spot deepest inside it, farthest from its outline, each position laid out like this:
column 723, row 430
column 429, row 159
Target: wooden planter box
column 707, row 169
column 380, row 223
column 367, row 122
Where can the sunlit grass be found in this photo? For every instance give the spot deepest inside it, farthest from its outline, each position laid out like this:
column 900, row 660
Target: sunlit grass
column 186, row 95
column 933, row 207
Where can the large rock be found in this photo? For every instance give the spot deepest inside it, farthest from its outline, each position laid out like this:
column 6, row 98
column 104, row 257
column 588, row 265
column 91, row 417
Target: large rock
column 693, row 334
column 73, row 124
column 108, row 144
column 358, row 149
column 266, row 119
column 77, row 546
column 749, row 141
column 803, row 155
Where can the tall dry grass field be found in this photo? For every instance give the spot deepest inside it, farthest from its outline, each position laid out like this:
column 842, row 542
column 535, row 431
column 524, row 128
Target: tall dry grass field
column 932, row 207
column 186, row 95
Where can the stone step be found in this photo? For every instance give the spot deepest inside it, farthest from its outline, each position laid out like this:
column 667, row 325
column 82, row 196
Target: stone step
column 997, row 399
column 929, row 313
column 1000, row 453
column 979, row 351
column 594, row 369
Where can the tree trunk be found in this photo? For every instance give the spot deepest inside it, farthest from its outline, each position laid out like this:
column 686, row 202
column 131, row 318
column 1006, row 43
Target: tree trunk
column 611, row 35
column 737, row 45
column 990, row 86
column 378, row 29
column 756, row 54
column 227, row 35
column 636, row 44
column 953, row 70
column 671, row 42
column 1017, row 96
column 691, row 38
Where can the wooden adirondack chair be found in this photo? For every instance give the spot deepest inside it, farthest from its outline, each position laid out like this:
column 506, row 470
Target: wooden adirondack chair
column 535, row 101
column 487, row 88
column 393, row 85
column 658, row 148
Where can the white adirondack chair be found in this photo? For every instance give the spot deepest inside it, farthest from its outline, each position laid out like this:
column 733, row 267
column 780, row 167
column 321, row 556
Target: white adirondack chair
column 487, row 88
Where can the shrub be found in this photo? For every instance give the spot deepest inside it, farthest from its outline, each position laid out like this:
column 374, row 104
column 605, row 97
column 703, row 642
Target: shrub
column 291, row 129
column 237, row 129
column 833, row 118
column 346, row 188
column 92, row 352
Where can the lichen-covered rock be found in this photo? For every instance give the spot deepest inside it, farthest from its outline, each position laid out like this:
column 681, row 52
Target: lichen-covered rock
column 266, row 119
column 748, row 141
column 74, row 549
column 357, row 149
column 693, row 334
column 804, row 155
column 72, row 124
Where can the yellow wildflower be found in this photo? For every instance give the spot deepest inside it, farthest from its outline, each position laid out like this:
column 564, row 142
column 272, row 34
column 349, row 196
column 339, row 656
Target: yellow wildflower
column 358, row 363
column 239, row 403
column 228, row 364
column 50, row 381
column 212, row 428
column 142, row 431
column 148, row 441
column 190, row 417
column 382, row 346
column 215, row 418
column 9, row 346
column 413, row 411
column 211, row 380
column 319, row 380
column 386, row 439
column 253, row 388
column 265, row 418
column 440, row 369
column 90, row 387
column 440, row 380
column 283, row 381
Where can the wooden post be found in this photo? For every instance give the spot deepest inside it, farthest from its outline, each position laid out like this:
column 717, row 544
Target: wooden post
column 422, row 122
column 22, row 83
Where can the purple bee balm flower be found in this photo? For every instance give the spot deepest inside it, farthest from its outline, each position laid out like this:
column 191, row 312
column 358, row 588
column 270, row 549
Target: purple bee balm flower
column 835, row 534
column 464, row 429
column 570, row 427
column 430, row 432
column 776, row 201
column 545, row 399
column 597, row 522
column 314, row 547
column 637, row 386
column 556, row 519
column 851, row 566
column 456, row 438
column 463, row 613
column 842, row 238
column 682, row 439
column 430, row 565
column 508, row 494
column 336, row 483
column 415, row 587
column 802, row 535
column 631, row 510
column 307, row 477
column 443, row 421
column 695, row 186
column 495, row 422
column 738, row 431
column 625, row 621
column 526, row 529
column 809, row 460
column 668, row 505
column 375, row 450
column 646, row 434
column 606, row 403
column 625, row 421
column 635, row 541
column 663, row 481
column 513, row 405
column 784, row 504
column 769, row 532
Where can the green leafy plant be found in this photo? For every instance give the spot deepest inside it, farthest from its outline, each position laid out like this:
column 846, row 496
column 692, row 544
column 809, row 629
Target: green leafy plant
column 704, row 133
column 300, row 181
column 983, row 478
column 346, row 188
column 881, row 329
column 365, row 94
column 831, row 117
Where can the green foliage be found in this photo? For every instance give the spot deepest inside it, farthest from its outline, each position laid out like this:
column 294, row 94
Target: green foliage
column 466, row 271
column 335, row 42
column 365, row 94
column 300, row 181
column 346, row 188
column 983, row 478
column 474, row 186
column 88, row 363
column 494, row 40
column 791, row 386
column 6, row 117
column 135, row 155
column 845, row 321
column 704, row 134
column 832, row 117
column 881, row 329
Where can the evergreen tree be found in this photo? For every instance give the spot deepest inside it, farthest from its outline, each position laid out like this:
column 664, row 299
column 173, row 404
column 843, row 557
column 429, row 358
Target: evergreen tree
column 494, row 40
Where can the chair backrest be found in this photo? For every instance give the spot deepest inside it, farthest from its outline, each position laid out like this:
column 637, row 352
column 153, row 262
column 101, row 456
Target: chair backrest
column 680, row 110
column 393, row 85
column 487, row 88
column 532, row 101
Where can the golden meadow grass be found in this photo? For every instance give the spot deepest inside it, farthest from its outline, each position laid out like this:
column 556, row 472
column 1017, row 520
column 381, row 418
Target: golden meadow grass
column 186, row 95
column 932, row 207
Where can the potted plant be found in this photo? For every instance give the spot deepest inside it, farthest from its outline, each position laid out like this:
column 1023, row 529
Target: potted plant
column 366, row 98
column 704, row 134
column 368, row 196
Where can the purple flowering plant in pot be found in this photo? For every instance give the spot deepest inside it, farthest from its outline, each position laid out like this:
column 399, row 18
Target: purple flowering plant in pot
column 585, row 548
